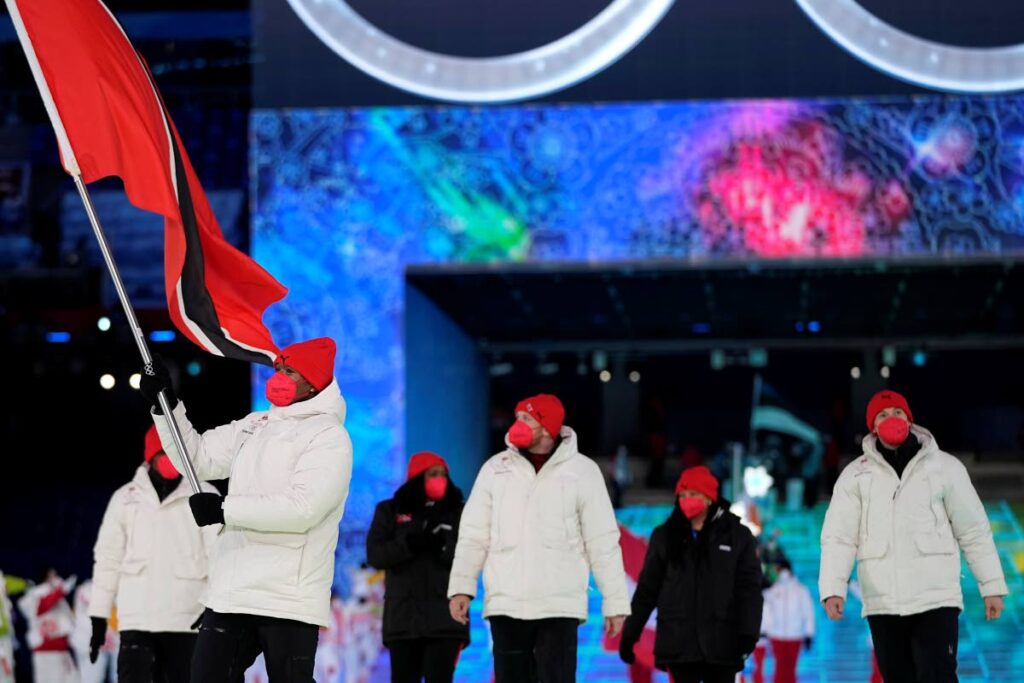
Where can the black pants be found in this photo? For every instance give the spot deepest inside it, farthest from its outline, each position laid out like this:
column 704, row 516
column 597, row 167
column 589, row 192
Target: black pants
column 229, row 643
column 920, row 648
column 154, row 657
column 418, row 659
column 701, row 673
column 534, row 650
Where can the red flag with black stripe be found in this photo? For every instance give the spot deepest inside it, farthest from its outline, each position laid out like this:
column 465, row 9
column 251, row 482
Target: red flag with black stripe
column 111, row 121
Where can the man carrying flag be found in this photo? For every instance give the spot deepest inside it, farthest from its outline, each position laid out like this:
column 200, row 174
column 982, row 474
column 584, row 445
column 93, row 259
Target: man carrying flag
column 272, row 567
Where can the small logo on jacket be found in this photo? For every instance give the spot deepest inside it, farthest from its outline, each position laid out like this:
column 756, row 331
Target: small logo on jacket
column 725, row 548
column 403, row 518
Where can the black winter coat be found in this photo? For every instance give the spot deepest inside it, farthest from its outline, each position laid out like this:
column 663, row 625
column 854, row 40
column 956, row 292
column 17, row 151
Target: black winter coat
column 416, row 582
column 707, row 591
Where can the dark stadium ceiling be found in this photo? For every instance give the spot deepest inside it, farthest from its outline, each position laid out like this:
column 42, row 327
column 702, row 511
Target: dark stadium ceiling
column 666, row 307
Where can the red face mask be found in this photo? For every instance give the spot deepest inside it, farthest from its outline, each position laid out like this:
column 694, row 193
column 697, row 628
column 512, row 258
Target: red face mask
column 436, row 487
column 164, row 467
column 893, row 430
column 520, row 435
column 692, row 507
column 281, row 389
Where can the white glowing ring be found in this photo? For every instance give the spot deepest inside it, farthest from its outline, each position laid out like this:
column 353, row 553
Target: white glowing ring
column 918, row 61
column 559, row 64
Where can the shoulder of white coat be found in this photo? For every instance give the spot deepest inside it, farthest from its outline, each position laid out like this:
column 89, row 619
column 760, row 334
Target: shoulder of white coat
column 862, row 464
column 124, row 493
column 947, row 464
column 586, row 467
column 499, row 462
column 326, row 428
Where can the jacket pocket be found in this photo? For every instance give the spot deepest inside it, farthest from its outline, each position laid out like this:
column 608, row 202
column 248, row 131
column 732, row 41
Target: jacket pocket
column 190, row 568
column 934, row 544
column 132, row 594
column 872, row 549
column 872, row 569
column 273, row 557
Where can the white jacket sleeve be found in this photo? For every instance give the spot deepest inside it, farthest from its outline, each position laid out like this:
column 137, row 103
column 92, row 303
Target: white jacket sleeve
column 107, row 556
column 840, row 536
column 973, row 532
column 211, row 452
column 474, row 537
column 318, row 484
column 601, row 543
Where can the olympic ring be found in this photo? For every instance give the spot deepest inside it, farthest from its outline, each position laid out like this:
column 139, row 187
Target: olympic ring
column 916, row 60
column 557, row 65
column 620, row 27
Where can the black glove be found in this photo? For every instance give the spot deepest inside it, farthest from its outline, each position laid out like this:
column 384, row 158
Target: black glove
column 424, row 542
column 155, row 378
column 808, row 641
column 207, row 508
column 626, row 653
column 99, row 636
column 746, row 644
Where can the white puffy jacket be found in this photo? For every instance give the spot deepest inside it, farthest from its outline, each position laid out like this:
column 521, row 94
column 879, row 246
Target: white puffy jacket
column 150, row 559
column 289, row 470
column 537, row 537
column 906, row 533
column 788, row 609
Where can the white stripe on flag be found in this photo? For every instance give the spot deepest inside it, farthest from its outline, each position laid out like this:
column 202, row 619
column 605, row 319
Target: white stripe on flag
column 201, row 337
column 255, row 349
column 66, row 152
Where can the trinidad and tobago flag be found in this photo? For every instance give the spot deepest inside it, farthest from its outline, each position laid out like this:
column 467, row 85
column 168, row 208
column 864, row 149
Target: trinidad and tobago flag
column 111, row 121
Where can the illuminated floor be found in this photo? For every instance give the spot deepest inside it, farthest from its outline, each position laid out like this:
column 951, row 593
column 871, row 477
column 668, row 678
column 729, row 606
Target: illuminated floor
column 841, row 654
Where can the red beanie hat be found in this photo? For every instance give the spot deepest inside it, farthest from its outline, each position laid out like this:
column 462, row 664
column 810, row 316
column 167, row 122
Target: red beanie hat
column 698, row 479
column 313, row 359
column 886, row 399
column 153, row 445
column 545, row 409
column 423, row 461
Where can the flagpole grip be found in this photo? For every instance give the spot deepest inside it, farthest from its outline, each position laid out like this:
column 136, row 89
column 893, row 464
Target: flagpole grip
column 133, row 323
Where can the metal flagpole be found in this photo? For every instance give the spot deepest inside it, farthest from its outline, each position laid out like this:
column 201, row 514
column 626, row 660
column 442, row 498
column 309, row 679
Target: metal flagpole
column 133, row 323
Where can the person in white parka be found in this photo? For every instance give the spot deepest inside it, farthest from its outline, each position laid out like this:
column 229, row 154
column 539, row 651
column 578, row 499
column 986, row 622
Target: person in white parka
column 788, row 621
column 273, row 565
column 537, row 522
column 150, row 563
column 904, row 510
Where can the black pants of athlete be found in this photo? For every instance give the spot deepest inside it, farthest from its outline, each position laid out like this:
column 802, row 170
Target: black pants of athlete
column 424, row 659
column 920, row 648
column 534, row 650
column 154, row 657
column 229, row 643
column 701, row 673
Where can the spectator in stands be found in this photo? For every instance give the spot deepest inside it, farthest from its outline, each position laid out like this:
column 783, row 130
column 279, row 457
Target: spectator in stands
column 904, row 510
column 412, row 538
column 788, row 621
column 702, row 573
column 620, row 475
column 50, row 623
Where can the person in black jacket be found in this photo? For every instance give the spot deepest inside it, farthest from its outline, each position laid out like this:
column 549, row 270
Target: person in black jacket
column 702, row 573
column 412, row 538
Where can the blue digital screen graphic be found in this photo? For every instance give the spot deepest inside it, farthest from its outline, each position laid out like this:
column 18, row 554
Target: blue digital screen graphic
column 343, row 200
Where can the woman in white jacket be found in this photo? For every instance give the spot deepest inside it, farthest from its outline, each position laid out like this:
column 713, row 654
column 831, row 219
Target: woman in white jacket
column 272, row 568
column 904, row 510
column 150, row 563
column 537, row 523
